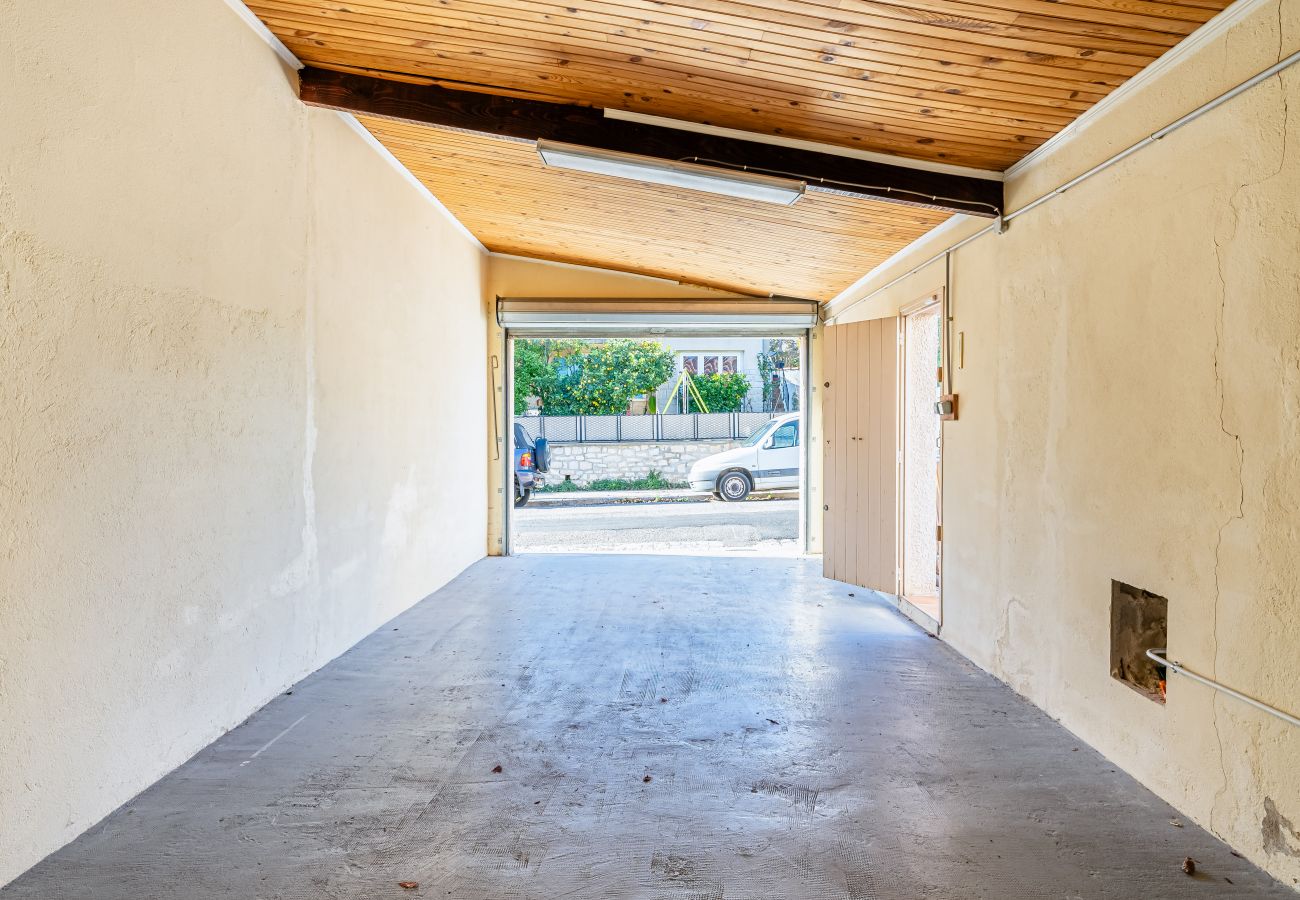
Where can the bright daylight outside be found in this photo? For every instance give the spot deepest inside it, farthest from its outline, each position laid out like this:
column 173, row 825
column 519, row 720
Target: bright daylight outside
column 672, row 445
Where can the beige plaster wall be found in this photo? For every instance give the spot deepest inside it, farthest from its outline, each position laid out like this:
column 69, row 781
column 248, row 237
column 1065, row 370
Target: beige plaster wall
column 229, row 410
column 515, row 276
column 1130, row 409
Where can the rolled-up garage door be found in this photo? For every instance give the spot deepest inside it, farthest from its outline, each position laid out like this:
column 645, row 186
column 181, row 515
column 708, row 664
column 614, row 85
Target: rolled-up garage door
column 595, row 317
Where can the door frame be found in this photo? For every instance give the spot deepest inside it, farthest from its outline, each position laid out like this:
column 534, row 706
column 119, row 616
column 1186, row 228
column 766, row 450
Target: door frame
column 929, row 301
column 508, row 455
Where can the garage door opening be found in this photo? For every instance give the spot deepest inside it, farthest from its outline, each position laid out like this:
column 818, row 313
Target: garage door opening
column 645, row 431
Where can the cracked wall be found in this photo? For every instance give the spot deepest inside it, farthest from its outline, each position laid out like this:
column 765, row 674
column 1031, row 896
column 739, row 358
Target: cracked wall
column 228, row 406
column 1130, row 409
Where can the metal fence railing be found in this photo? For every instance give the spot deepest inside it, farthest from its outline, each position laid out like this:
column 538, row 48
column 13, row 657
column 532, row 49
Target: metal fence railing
column 613, row 429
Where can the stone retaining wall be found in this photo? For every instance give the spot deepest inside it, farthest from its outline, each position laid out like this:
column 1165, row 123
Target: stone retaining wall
column 584, row 463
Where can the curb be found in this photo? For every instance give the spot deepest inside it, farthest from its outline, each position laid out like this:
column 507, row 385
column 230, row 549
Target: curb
column 576, row 499
column 570, row 500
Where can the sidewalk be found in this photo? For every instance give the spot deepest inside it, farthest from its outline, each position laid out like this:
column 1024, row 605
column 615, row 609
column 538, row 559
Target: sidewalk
column 611, row 498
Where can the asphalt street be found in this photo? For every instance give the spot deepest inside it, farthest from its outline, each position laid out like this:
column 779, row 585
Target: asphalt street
column 769, row 527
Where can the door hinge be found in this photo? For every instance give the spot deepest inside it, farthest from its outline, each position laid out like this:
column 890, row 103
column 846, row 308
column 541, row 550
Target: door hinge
column 938, row 532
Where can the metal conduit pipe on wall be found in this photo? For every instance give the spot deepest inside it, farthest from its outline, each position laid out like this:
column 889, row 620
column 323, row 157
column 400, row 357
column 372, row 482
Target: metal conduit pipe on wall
column 1157, row 656
column 999, row 225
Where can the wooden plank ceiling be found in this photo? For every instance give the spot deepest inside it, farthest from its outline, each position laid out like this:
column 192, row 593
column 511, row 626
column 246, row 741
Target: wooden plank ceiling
column 978, row 83
column 500, row 190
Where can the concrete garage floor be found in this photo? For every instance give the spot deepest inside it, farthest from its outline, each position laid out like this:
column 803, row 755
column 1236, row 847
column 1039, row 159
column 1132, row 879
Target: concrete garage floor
column 665, row 728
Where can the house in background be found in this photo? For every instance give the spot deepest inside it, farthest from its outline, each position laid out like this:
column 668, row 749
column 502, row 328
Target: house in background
column 710, row 355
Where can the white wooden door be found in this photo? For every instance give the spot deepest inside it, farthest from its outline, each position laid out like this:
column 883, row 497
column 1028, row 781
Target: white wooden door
column 860, row 454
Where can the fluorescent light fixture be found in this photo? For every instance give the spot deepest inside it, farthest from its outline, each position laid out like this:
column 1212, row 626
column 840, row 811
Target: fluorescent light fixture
column 693, row 176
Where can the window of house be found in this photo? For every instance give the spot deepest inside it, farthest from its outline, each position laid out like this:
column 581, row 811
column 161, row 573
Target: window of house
column 710, row 363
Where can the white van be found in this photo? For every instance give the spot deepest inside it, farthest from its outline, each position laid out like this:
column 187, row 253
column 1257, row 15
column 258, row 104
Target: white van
column 767, row 460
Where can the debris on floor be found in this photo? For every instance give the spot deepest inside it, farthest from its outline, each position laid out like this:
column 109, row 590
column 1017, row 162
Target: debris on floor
column 908, row 775
column 408, row 885
column 1189, row 865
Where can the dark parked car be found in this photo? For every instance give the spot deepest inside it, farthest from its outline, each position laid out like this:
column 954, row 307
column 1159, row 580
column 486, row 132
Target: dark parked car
column 532, row 461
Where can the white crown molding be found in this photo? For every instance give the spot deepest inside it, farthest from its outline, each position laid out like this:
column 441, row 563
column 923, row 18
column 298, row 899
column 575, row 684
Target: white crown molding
column 414, row 182
column 795, row 143
column 286, row 55
column 1181, row 51
column 880, row 269
column 266, row 34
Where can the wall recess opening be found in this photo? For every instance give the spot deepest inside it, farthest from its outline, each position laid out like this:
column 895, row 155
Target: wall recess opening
column 1139, row 621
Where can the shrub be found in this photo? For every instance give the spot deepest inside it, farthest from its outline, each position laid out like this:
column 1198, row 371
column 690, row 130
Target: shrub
column 723, row 392
column 614, row 372
column 547, row 369
column 653, row 481
column 582, row 378
column 784, row 351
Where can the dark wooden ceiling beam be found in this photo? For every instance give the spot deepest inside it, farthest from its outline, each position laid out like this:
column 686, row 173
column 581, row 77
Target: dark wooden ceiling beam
column 520, row 119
